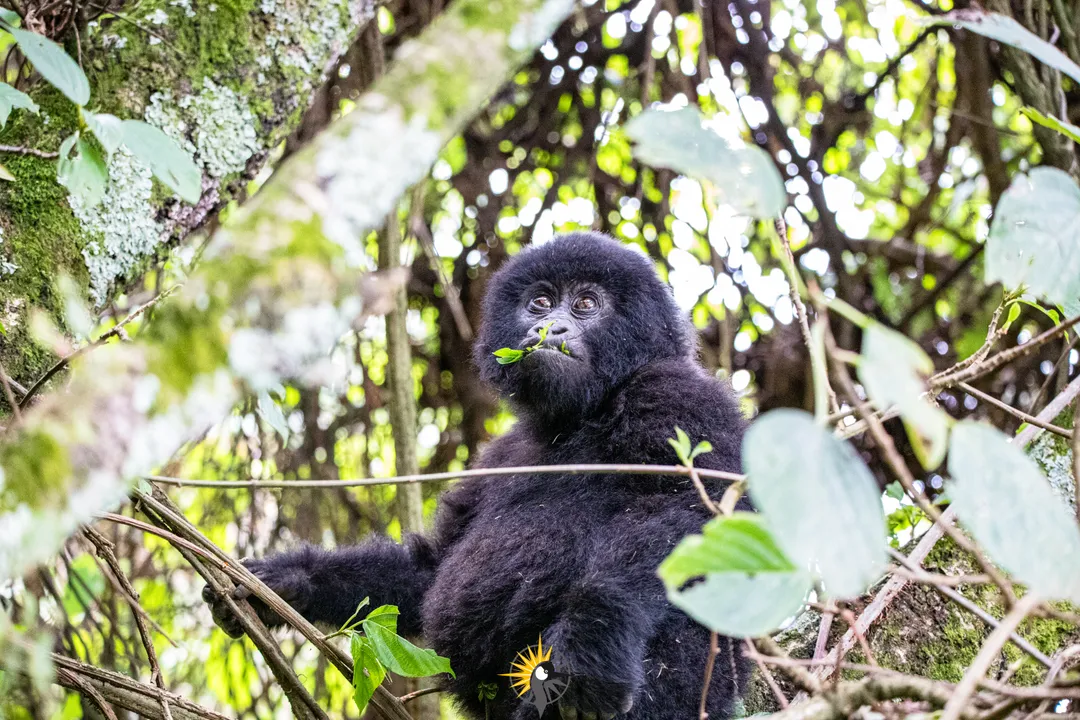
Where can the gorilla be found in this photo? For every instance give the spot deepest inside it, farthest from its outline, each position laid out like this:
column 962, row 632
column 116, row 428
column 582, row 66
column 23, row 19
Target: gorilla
column 610, row 371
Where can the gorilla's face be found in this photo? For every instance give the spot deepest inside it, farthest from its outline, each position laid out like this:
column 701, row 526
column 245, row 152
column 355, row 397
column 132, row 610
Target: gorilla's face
column 587, row 312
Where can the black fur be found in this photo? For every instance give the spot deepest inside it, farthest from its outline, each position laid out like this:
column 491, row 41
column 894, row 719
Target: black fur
column 570, row 557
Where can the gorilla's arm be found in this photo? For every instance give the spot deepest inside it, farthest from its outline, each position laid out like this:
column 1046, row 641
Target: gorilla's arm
column 326, row 586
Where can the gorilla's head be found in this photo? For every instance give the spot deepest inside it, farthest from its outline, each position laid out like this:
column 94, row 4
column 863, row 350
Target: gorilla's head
column 606, row 314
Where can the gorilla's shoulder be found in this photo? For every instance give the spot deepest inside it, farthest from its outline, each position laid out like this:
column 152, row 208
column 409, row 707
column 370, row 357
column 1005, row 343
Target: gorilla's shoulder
column 671, row 393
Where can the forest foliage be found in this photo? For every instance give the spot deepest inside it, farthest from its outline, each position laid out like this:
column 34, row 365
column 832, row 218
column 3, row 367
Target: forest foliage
column 870, row 209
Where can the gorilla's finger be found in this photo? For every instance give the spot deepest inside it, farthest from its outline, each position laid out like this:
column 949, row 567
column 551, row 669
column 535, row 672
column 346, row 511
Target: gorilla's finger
column 242, row 592
column 208, row 594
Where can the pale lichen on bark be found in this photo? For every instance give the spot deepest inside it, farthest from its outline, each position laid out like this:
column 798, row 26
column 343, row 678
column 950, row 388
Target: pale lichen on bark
column 282, row 279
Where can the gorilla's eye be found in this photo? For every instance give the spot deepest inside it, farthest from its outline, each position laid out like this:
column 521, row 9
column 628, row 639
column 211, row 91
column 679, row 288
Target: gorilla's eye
column 540, row 302
column 586, row 304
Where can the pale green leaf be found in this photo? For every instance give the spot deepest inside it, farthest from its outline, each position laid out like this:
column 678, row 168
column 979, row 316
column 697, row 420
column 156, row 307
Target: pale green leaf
column 508, row 356
column 10, row 17
column 84, row 173
column 738, row 543
column 743, row 606
column 819, row 500
column 1005, row 29
column 108, row 129
column 169, row 163
column 743, row 177
column 54, row 64
column 893, row 369
column 1035, row 236
column 1067, row 129
column 272, row 414
column 5, row 174
column 368, row 672
column 10, row 98
column 1008, row 506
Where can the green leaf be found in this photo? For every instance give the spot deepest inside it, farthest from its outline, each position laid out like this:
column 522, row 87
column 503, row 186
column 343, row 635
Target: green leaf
column 1067, row 129
column 368, row 672
column 108, row 129
column 743, row 177
column 508, row 356
column 1035, row 236
column 84, row 175
column 386, row 616
column 743, row 606
column 738, row 543
column 55, row 65
column 272, row 415
column 5, row 174
column 169, row 163
column 893, row 370
column 681, row 444
column 10, row 98
column 1008, row 506
column 400, row 655
column 1005, row 29
column 10, row 17
column 818, row 498
column 701, row 448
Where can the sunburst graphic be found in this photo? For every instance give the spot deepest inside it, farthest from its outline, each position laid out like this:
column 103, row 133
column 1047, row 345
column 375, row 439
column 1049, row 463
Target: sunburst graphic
column 527, row 662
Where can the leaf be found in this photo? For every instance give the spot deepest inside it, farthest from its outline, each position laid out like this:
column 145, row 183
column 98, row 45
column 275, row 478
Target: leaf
column 55, row 65
column 272, row 415
column 743, row 606
column 681, row 444
column 1067, row 129
column 368, row 672
column 108, row 129
column 1035, row 236
column 84, row 175
column 1005, row 29
column 386, row 616
column 701, row 448
column 10, row 98
column 893, row 369
column 508, row 356
column 1007, row 505
column 400, row 655
column 169, row 163
column 10, row 17
column 737, row 543
column 818, row 498
column 5, row 174
column 743, row 177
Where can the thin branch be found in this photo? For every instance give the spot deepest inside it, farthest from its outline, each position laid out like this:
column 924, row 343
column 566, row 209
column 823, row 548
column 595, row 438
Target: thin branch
column 1013, row 411
column 714, row 650
column 781, row 699
column 115, row 331
column 19, row 150
column 572, row 469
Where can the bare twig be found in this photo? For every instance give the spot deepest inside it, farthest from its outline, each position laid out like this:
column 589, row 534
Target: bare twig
column 714, row 650
column 572, row 469
column 19, row 150
column 1013, row 411
column 781, row 699
column 115, row 331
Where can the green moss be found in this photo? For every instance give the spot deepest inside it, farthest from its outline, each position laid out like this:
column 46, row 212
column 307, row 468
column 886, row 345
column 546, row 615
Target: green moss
column 39, row 232
column 32, row 466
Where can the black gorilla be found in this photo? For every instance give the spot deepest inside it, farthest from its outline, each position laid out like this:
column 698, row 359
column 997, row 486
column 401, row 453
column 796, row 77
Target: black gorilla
column 571, row 558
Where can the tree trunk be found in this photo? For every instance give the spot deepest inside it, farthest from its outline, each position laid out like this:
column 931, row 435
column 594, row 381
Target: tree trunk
column 228, row 80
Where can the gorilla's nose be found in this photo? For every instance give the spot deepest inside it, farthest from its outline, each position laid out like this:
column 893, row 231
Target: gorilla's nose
column 557, row 332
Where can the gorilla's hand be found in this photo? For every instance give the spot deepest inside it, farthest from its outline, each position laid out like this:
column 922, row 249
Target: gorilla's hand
column 291, row 582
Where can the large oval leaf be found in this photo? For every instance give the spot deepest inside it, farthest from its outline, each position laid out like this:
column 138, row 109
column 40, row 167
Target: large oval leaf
column 1005, row 29
column 820, row 501
column 368, row 672
column 397, row 653
column 893, row 369
column 1010, row 509
column 169, row 163
column 741, row 605
column 84, row 174
column 1035, row 236
column 743, row 177
column 10, row 98
column 749, row 586
column 54, row 64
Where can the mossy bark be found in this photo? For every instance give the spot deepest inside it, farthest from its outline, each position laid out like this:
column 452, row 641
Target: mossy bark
column 217, row 71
